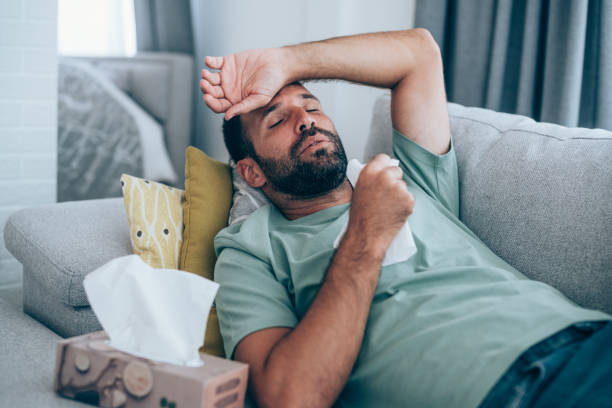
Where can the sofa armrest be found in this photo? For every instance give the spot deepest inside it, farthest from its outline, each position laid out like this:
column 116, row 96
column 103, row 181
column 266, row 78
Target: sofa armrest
column 59, row 244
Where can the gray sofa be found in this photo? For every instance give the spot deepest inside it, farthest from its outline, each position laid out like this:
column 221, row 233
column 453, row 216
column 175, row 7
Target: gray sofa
column 539, row 195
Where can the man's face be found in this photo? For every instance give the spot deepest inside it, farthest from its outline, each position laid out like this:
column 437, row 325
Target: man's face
column 296, row 144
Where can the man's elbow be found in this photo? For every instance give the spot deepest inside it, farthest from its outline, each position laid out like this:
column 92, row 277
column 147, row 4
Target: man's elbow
column 279, row 396
column 291, row 391
column 426, row 42
column 424, row 49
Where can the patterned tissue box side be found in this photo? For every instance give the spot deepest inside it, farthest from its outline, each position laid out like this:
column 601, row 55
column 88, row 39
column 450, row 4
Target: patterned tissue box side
column 89, row 370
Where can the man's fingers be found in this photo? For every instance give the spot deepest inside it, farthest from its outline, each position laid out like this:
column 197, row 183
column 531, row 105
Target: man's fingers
column 379, row 162
column 248, row 104
column 207, row 88
column 212, row 77
column 381, row 158
column 216, row 105
column 215, row 91
column 214, row 62
column 395, row 172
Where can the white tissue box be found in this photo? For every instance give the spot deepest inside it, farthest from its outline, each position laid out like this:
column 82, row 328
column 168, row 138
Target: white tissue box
column 89, row 370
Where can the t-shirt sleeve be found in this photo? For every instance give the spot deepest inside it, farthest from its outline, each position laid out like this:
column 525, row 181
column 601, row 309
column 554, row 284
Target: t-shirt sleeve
column 250, row 298
column 436, row 174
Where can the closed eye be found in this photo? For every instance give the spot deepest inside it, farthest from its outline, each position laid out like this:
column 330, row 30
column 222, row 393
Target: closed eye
column 276, row 124
column 311, row 110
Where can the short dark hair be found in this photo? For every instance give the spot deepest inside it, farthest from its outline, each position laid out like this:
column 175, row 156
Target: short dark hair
column 236, row 140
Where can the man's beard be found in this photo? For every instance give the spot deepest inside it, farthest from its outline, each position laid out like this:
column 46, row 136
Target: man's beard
column 307, row 178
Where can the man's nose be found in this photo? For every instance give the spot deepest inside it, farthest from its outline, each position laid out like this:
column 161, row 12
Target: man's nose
column 305, row 121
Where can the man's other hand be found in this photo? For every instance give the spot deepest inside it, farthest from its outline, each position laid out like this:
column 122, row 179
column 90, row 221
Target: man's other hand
column 244, row 81
column 381, row 204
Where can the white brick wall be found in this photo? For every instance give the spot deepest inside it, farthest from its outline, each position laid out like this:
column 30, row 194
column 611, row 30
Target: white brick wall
column 28, row 113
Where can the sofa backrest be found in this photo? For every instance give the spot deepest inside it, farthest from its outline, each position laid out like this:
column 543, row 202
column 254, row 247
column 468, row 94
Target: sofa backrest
column 538, row 194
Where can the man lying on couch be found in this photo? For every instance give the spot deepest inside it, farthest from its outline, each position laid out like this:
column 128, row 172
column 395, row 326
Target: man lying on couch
column 454, row 325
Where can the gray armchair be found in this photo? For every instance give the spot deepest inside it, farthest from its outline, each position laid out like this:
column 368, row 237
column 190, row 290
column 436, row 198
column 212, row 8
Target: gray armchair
column 162, row 83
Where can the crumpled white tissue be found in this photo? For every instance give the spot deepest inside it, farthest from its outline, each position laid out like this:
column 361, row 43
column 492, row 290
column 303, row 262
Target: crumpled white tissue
column 402, row 247
column 159, row 314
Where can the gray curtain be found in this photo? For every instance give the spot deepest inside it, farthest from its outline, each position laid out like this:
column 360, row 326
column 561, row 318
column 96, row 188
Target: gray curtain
column 163, row 25
column 166, row 26
column 547, row 59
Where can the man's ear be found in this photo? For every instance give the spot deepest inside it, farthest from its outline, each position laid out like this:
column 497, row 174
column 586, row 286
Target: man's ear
column 250, row 171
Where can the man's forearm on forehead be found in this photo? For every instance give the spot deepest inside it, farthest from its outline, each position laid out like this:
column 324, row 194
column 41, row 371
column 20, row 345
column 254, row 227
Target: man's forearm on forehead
column 377, row 59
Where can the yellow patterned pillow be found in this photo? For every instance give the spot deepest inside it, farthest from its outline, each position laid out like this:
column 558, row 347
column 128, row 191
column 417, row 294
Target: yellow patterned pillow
column 155, row 215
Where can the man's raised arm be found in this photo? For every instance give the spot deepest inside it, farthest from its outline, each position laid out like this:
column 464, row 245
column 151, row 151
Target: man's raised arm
column 407, row 62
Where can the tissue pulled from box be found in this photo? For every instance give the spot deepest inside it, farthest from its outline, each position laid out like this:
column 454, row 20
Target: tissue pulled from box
column 402, row 247
column 159, row 314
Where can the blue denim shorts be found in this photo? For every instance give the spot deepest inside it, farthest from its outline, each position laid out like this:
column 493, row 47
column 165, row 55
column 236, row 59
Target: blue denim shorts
column 571, row 368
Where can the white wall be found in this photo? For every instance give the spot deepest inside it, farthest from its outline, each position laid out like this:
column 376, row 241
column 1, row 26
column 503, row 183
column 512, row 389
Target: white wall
column 28, row 113
column 225, row 27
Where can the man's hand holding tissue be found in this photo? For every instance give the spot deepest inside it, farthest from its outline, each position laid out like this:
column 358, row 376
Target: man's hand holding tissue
column 380, row 206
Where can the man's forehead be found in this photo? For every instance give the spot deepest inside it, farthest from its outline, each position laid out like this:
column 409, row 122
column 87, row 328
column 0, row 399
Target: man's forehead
column 292, row 90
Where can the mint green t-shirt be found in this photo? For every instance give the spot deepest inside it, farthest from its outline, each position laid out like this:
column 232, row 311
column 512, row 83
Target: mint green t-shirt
column 443, row 326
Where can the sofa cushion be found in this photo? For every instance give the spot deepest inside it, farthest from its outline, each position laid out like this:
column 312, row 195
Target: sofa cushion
column 61, row 243
column 538, row 194
column 27, row 358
